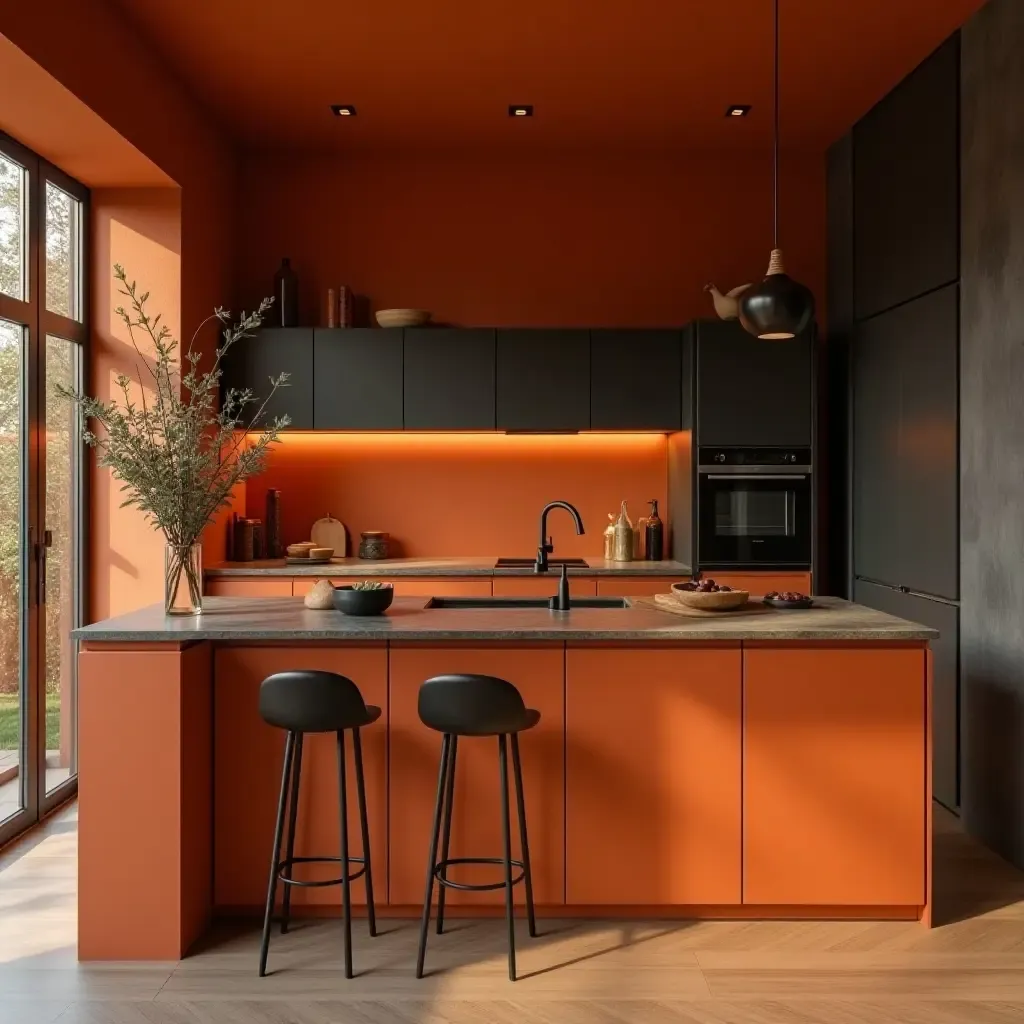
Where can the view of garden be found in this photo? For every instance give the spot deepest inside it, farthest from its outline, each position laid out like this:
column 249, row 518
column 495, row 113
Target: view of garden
column 59, row 454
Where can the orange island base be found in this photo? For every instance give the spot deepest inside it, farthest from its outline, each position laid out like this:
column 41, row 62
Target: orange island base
column 771, row 765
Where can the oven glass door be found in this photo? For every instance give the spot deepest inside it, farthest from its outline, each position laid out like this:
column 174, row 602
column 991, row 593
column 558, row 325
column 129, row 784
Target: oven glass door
column 746, row 521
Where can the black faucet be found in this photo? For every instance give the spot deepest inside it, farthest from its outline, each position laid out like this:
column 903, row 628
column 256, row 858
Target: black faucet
column 546, row 547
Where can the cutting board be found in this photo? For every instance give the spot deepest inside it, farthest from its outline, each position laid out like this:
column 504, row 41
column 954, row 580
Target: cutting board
column 330, row 533
column 667, row 603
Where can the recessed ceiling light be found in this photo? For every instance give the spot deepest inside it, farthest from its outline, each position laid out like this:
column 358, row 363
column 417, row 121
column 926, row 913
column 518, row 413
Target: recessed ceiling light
column 343, row 110
column 520, row 110
column 737, row 110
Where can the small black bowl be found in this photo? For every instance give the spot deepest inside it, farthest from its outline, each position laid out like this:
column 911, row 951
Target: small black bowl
column 363, row 602
column 775, row 602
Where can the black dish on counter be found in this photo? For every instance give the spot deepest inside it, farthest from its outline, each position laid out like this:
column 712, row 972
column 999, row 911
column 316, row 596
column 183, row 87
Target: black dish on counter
column 788, row 599
column 363, row 602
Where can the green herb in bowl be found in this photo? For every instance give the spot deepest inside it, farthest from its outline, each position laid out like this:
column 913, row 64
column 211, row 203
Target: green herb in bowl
column 371, row 585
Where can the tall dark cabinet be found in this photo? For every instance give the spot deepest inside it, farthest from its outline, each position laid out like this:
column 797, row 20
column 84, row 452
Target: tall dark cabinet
column 893, row 200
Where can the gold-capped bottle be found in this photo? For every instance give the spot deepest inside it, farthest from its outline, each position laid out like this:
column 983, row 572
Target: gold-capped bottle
column 623, row 548
column 654, row 547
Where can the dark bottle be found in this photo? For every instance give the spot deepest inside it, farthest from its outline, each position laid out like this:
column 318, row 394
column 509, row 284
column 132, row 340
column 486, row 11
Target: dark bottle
column 286, row 295
column 655, row 535
column 272, row 541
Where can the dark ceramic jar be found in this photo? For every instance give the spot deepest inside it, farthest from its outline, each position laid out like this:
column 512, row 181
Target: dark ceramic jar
column 373, row 544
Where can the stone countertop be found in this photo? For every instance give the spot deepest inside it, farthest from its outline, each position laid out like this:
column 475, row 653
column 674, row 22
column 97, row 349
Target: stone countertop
column 251, row 619
column 436, row 567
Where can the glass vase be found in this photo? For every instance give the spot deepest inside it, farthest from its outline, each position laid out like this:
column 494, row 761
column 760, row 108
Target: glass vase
column 183, row 579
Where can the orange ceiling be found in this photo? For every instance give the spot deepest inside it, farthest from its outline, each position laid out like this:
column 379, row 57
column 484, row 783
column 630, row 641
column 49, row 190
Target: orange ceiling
column 441, row 73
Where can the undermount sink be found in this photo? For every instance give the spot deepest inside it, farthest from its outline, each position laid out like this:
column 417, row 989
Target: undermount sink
column 523, row 602
column 528, row 563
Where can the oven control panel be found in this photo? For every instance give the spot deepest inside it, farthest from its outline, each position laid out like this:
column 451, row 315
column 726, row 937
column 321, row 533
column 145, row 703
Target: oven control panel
column 712, row 458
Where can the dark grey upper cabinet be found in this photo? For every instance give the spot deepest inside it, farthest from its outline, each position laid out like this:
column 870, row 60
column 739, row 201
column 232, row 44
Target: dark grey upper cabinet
column 543, row 379
column 358, row 379
column 906, row 187
column 635, row 381
column 251, row 362
column 906, row 522
column 945, row 675
column 449, row 379
column 749, row 391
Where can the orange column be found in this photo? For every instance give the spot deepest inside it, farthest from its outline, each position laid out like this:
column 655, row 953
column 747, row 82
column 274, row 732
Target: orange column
column 144, row 801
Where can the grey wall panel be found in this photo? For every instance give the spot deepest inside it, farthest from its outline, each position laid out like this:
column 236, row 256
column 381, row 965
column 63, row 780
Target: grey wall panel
column 992, row 425
column 945, row 669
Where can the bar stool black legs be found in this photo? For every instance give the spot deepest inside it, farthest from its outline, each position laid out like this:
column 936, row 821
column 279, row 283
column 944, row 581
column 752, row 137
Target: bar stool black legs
column 476, row 706
column 517, row 771
column 311, row 701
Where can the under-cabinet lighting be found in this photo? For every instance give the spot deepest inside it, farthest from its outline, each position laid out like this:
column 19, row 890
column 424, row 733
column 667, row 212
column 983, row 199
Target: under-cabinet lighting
column 520, row 110
column 343, row 110
column 737, row 110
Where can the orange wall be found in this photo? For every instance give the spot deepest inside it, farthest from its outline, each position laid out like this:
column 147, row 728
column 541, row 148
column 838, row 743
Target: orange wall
column 463, row 494
column 141, row 229
column 553, row 239
column 114, row 77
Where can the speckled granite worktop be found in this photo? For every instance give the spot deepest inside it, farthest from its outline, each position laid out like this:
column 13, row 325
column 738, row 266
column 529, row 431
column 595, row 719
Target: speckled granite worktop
column 436, row 567
column 254, row 619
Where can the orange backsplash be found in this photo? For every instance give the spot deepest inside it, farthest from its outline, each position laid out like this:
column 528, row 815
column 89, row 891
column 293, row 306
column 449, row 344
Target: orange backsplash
column 463, row 494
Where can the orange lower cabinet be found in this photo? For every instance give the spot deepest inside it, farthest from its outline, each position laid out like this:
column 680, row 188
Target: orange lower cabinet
column 144, row 801
column 443, row 588
column 542, row 586
column 248, row 762
column 249, row 588
column 639, row 586
column 761, row 583
column 404, row 587
column 653, row 770
column 415, row 753
column 834, row 776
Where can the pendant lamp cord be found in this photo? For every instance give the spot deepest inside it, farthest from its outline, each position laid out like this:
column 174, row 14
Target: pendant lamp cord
column 775, row 170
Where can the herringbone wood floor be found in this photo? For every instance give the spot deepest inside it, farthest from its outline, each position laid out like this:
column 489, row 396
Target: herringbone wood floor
column 968, row 970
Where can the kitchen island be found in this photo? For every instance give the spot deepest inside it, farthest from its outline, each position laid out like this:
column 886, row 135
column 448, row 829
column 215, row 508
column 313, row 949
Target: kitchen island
column 764, row 765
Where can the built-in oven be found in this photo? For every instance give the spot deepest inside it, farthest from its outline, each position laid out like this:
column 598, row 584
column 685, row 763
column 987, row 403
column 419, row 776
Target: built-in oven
column 754, row 508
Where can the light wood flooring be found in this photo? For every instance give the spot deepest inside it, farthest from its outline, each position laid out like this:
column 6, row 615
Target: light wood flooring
column 969, row 969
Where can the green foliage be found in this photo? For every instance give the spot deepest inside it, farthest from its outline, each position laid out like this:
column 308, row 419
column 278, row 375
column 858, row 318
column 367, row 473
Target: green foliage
column 178, row 456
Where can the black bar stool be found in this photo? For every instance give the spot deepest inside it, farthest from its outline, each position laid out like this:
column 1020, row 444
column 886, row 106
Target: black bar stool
column 302, row 702
column 475, row 705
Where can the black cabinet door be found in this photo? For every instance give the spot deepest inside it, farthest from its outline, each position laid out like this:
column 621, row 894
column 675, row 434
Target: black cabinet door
column 449, row 379
column 749, row 391
column 251, row 362
column 876, row 368
column 906, row 187
column 358, row 379
column 945, row 676
column 906, row 489
column 926, row 332
column 635, row 381
column 543, row 379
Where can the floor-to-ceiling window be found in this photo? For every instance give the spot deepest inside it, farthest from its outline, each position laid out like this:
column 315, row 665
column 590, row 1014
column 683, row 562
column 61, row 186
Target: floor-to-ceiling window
column 42, row 345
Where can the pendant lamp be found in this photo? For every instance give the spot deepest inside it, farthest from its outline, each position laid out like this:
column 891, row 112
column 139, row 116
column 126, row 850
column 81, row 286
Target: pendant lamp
column 778, row 307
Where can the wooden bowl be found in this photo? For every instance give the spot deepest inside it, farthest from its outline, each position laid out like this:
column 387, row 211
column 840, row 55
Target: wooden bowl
column 402, row 317
column 715, row 601
column 321, row 553
column 300, row 550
